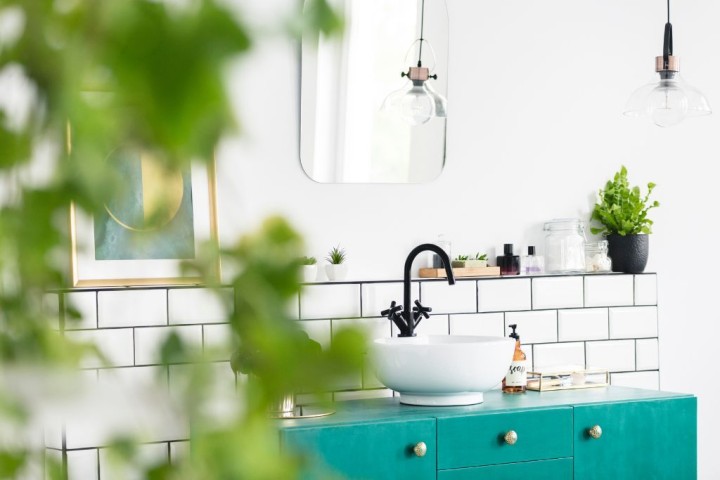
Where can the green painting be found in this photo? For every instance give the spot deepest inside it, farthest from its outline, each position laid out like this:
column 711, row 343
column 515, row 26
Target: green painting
column 151, row 217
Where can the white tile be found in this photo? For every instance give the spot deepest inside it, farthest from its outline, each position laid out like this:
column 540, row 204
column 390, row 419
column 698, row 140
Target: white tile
column 363, row 395
column 179, row 451
column 293, row 308
column 148, row 341
column 369, row 378
column 633, row 322
column 217, row 341
column 372, row 327
column 647, row 354
column 82, row 465
column 135, row 378
column 608, row 290
column 583, row 324
column 116, row 346
column 534, row 327
column 614, row 355
column 85, row 304
column 483, row 324
column 377, row 297
column 445, row 298
column 132, row 308
column 53, row 462
column 435, row 325
column 557, row 355
column 51, row 309
column 647, row 380
column 646, row 289
column 318, row 330
column 199, row 305
column 557, row 292
column 330, row 301
column 503, row 295
column 149, row 455
column 528, row 350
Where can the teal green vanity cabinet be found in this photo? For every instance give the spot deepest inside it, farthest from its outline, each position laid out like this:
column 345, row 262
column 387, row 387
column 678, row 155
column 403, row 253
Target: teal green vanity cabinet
column 651, row 439
column 603, row 433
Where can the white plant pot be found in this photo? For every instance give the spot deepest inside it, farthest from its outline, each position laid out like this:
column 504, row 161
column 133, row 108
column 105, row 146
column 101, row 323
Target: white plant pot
column 475, row 263
column 309, row 273
column 336, row 273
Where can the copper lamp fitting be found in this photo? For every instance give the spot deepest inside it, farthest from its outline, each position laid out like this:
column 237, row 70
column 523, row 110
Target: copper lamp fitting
column 672, row 65
column 418, row 73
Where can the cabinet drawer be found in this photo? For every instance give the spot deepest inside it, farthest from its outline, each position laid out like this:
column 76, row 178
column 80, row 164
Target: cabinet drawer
column 558, row 469
column 366, row 451
column 479, row 440
column 652, row 439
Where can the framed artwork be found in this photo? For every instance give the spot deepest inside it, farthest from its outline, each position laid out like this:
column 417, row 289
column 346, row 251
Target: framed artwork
column 156, row 221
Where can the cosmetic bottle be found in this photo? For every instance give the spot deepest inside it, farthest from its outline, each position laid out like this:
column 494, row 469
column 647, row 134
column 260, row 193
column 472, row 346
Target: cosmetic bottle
column 532, row 264
column 516, row 379
column 509, row 264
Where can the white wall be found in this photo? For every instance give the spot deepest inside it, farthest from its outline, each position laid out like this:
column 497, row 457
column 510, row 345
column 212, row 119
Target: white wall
column 535, row 127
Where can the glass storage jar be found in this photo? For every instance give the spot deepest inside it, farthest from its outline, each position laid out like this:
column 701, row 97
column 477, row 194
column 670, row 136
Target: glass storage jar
column 565, row 246
column 596, row 257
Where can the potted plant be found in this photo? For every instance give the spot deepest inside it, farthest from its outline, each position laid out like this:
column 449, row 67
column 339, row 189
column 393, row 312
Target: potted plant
column 623, row 213
column 309, row 269
column 336, row 269
column 459, row 261
column 479, row 261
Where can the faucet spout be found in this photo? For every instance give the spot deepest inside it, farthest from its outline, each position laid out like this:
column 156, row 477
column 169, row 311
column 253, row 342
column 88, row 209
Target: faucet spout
column 408, row 315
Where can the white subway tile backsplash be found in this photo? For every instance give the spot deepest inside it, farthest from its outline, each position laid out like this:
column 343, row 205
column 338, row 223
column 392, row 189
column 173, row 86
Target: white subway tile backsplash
column 85, row 304
column 557, row 292
column 217, row 341
column 483, row 324
column 608, row 290
column 648, row 380
column 199, row 305
column 330, row 301
column 146, row 456
column 435, row 325
column 647, row 354
column 372, row 327
column 318, row 330
column 115, row 345
column 535, row 326
column 613, row 355
column 552, row 355
column 445, row 298
column 633, row 322
column 646, row 289
column 148, row 341
column 132, row 308
column 503, row 295
column 583, row 324
column 377, row 297
column 179, row 451
column 82, row 465
column 293, row 308
column 136, row 378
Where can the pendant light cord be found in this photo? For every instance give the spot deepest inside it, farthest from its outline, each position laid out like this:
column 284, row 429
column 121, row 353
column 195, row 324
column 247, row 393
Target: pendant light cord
column 668, row 10
column 668, row 40
column 422, row 31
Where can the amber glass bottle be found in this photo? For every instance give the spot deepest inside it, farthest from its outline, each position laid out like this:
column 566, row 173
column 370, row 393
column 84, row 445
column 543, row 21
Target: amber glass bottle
column 516, row 379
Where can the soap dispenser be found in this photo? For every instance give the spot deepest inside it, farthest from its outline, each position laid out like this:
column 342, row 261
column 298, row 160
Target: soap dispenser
column 516, row 379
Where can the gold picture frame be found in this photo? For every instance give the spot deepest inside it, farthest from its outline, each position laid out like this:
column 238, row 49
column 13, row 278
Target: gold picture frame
column 87, row 270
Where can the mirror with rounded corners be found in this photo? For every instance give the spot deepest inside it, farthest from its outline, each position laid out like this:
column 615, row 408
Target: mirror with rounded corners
column 352, row 130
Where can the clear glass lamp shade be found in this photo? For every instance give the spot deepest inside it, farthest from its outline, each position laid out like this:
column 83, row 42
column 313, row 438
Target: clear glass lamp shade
column 413, row 103
column 440, row 101
column 667, row 102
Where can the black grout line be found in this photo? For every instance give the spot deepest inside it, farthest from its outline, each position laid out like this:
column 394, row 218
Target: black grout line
column 167, row 307
column 97, row 310
column 98, row 464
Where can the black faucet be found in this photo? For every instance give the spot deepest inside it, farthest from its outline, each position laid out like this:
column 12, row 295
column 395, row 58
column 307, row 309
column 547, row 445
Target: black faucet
column 407, row 318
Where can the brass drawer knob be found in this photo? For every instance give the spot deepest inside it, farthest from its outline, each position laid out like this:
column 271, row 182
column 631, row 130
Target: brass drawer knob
column 595, row 432
column 511, row 437
column 420, row 449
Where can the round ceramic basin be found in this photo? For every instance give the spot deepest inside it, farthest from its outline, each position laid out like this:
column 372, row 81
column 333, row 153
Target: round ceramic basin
column 442, row 370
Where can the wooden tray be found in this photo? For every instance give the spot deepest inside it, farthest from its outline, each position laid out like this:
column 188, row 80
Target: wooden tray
column 460, row 272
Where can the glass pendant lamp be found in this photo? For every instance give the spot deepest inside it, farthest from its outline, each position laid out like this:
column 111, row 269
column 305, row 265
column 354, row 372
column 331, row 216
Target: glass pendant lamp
column 667, row 100
column 416, row 101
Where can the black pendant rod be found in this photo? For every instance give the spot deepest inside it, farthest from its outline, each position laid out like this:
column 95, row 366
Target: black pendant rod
column 668, row 40
column 422, row 31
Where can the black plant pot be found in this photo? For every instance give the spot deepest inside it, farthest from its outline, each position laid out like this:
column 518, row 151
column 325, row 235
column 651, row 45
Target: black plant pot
column 629, row 253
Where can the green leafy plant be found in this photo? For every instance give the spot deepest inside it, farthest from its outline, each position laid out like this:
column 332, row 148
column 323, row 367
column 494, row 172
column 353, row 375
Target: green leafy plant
column 480, row 257
column 308, row 261
column 336, row 256
column 462, row 258
column 622, row 209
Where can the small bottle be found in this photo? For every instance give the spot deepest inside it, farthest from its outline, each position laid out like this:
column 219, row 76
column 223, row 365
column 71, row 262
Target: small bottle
column 445, row 244
column 532, row 264
column 509, row 264
column 516, row 379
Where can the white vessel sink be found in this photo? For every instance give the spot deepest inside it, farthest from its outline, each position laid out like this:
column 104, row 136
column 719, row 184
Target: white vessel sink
column 442, row 370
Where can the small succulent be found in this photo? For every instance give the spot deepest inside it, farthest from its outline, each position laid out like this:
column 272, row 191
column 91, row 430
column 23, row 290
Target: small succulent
column 480, row 257
column 308, row 261
column 336, row 256
column 462, row 258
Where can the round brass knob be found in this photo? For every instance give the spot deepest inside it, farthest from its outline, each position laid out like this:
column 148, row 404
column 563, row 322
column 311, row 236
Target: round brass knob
column 511, row 437
column 420, row 449
column 595, row 432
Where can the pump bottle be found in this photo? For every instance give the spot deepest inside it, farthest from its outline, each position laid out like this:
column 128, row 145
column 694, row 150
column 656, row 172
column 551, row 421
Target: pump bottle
column 516, row 379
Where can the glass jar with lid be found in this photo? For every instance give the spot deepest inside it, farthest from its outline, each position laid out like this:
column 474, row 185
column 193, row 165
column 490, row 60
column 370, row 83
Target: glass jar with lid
column 596, row 257
column 565, row 246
